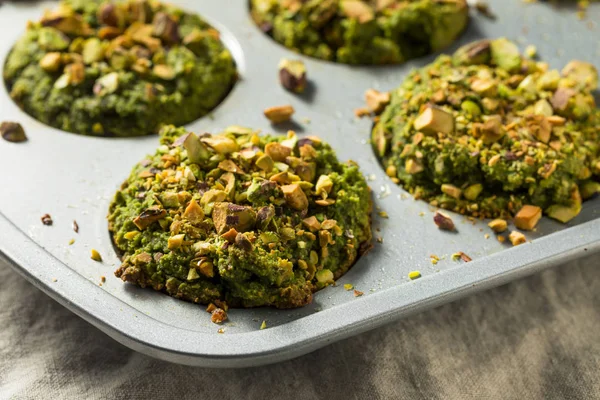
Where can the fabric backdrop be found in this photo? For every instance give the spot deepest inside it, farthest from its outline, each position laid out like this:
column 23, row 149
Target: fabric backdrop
column 538, row 338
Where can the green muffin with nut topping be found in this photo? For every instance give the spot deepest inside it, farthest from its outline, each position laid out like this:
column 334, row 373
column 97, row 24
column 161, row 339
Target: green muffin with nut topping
column 118, row 68
column 486, row 131
column 362, row 31
column 240, row 218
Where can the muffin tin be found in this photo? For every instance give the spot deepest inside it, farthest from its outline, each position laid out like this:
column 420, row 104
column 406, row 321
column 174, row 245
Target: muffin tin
column 73, row 178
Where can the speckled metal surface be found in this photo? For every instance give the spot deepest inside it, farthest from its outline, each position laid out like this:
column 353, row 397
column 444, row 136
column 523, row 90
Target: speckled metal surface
column 73, row 177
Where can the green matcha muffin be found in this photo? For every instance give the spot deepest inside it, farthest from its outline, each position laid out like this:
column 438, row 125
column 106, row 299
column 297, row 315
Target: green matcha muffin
column 236, row 217
column 486, row 131
column 362, row 32
column 118, row 68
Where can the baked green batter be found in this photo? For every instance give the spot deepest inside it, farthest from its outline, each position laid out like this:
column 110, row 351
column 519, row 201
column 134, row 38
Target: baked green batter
column 118, row 68
column 486, row 131
column 236, row 217
column 362, row 32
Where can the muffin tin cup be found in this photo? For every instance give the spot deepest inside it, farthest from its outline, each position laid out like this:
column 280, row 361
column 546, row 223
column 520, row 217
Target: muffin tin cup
column 72, row 177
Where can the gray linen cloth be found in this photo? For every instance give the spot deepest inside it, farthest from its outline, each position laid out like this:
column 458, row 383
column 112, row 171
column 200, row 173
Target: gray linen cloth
column 538, row 338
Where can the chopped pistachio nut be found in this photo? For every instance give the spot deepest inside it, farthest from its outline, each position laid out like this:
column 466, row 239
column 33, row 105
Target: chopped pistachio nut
column 443, row 221
column 498, row 225
column 238, row 216
column 263, row 325
column 528, row 217
column 486, row 131
column 412, row 275
column 361, row 32
column 279, row 114
column 12, row 132
column 292, row 75
column 376, row 101
column 130, row 50
column 517, row 238
column 95, row 255
column 348, row 286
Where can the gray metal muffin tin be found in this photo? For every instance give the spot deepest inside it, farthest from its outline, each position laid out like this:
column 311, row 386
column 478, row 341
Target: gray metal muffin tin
column 73, row 178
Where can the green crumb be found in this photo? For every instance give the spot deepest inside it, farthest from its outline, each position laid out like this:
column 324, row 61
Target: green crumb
column 383, row 214
column 362, row 32
column 348, row 286
column 95, row 255
column 414, row 275
column 239, row 218
column 486, row 131
column 263, row 325
column 71, row 242
column 119, row 68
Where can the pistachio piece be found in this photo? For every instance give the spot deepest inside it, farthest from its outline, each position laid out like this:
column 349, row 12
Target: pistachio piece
column 528, row 217
column 265, row 162
column 292, row 75
column 12, row 132
column 221, row 144
column 166, row 28
column 295, row 197
column 213, row 196
column 51, row 39
column 443, row 221
column 583, row 74
column 505, row 54
column 379, row 139
column 324, row 276
column 140, row 11
column 112, row 15
column 277, row 151
column 542, row 107
column 228, row 215
column 561, row 98
column 563, row 213
column 51, row 62
column 517, row 238
column 473, row 53
column 95, row 255
column 93, row 51
column 196, row 150
column 473, row 191
column 242, row 242
column 169, row 200
column 433, row 120
column 312, row 223
column 324, row 185
column 175, row 241
column 193, row 213
column 265, row 216
column 106, row 84
column 148, row 216
column 195, row 41
column 413, row 166
column 376, row 101
column 164, row 72
column 261, row 190
column 451, row 190
column 498, row 225
column 492, row 129
column 76, row 73
column 70, row 24
column 357, row 9
column 108, row 32
column 279, row 114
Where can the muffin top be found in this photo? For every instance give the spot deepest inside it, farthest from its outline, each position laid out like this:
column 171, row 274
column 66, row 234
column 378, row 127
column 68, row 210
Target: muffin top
column 237, row 217
column 486, row 131
column 362, row 32
column 118, row 68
